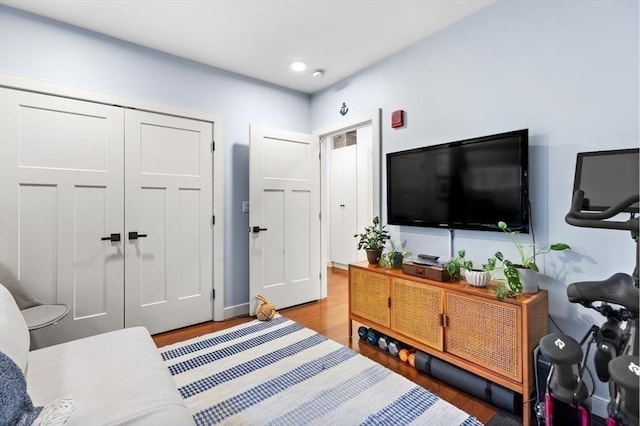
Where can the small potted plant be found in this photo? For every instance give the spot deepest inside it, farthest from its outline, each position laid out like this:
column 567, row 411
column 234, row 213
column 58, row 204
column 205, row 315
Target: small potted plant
column 392, row 259
column 373, row 240
column 527, row 262
column 512, row 277
column 459, row 267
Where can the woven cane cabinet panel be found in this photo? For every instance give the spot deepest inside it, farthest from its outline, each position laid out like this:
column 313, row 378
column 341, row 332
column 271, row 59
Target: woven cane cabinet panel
column 418, row 311
column 490, row 338
column 369, row 294
column 484, row 332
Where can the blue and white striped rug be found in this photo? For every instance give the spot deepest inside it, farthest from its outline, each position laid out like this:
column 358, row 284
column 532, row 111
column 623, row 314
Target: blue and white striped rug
column 279, row 372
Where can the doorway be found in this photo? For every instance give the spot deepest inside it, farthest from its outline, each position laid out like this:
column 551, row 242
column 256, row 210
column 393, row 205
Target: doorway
column 367, row 185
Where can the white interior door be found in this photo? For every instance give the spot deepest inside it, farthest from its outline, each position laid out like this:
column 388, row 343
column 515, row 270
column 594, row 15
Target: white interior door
column 61, row 186
column 344, row 205
column 284, row 218
column 168, row 198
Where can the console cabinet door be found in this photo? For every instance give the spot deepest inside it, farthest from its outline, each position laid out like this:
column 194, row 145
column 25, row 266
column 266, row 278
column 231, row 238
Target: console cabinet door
column 369, row 296
column 485, row 332
column 416, row 311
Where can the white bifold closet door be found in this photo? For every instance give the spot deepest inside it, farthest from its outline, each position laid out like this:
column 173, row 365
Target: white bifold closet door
column 70, row 196
column 168, row 203
column 343, row 205
column 61, row 182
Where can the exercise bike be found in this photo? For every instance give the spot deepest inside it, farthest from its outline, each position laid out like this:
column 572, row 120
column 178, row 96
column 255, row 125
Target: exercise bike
column 566, row 398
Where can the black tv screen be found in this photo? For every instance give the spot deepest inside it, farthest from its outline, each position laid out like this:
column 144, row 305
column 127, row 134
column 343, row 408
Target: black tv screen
column 607, row 178
column 467, row 184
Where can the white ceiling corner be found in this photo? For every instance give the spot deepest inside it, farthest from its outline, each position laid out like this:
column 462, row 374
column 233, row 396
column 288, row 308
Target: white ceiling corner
column 260, row 38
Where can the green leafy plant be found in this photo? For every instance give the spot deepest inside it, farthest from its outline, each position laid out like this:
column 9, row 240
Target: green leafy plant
column 529, row 252
column 513, row 284
column 392, row 258
column 374, row 236
column 458, row 263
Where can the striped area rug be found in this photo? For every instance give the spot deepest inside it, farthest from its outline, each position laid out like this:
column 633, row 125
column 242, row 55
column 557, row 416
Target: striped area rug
column 281, row 373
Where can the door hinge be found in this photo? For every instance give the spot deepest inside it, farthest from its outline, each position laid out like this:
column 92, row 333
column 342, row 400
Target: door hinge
column 213, row 146
column 213, row 293
column 213, row 219
column 320, row 276
column 320, row 216
column 389, row 302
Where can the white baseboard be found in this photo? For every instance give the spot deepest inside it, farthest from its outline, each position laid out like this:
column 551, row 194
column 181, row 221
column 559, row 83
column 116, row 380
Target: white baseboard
column 236, row 311
column 339, row 265
column 599, row 406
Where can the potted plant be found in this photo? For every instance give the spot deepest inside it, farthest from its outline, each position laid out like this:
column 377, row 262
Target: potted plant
column 459, row 267
column 393, row 258
column 527, row 262
column 512, row 277
column 373, row 240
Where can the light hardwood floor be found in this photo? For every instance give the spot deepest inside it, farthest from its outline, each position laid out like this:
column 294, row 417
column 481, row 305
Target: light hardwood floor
column 330, row 318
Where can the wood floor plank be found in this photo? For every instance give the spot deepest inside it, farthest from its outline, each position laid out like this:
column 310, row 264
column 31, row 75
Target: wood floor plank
column 329, row 317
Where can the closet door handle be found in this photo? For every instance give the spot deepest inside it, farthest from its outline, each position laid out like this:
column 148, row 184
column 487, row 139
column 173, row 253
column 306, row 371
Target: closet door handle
column 257, row 229
column 134, row 235
column 113, row 238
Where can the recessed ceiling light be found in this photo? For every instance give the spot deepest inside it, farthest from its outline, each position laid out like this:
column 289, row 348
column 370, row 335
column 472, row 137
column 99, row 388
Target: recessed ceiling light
column 318, row 73
column 298, row 66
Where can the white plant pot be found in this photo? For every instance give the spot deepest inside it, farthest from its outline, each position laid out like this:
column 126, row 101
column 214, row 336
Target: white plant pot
column 477, row 278
column 529, row 280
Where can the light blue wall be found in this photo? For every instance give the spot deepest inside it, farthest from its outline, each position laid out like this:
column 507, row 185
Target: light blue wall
column 567, row 70
column 43, row 49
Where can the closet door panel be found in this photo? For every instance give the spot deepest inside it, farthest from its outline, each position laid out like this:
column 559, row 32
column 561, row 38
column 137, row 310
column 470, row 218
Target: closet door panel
column 62, row 187
column 350, row 201
column 169, row 273
column 344, row 205
column 336, row 237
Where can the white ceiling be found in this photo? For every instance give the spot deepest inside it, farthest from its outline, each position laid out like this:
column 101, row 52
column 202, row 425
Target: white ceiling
column 260, row 38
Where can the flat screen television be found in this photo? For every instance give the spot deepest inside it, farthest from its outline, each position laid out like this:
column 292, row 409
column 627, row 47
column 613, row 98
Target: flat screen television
column 467, row 184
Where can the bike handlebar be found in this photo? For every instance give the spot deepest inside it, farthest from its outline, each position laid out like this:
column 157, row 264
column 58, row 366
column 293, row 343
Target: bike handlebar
column 576, row 217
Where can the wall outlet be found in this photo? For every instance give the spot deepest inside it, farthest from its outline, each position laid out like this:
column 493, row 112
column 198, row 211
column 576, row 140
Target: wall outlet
column 245, row 207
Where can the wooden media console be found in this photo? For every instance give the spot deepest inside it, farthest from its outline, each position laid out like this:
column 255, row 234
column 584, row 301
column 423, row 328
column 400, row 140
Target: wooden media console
column 455, row 322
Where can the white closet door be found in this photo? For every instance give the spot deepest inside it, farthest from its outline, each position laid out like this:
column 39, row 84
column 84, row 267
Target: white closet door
column 61, row 186
column 344, row 205
column 168, row 269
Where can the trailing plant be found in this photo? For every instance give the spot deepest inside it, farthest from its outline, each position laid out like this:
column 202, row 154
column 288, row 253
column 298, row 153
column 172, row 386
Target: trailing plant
column 529, row 252
column 458, row 263
column 374, row 236
column 392, row 258
column 513, row 285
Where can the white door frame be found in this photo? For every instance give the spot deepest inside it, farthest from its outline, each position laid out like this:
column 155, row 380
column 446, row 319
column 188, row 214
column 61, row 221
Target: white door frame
column 22, row 83
column 372, row 118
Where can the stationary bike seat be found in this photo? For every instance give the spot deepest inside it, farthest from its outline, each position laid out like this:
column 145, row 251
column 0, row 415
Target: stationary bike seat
column 617, row 289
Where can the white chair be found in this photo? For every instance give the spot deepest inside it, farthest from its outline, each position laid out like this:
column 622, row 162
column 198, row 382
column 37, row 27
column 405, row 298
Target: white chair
column 36, row 314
